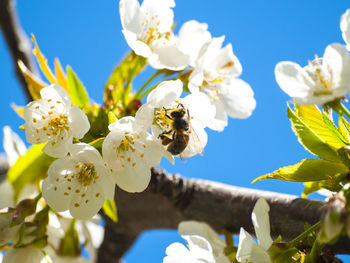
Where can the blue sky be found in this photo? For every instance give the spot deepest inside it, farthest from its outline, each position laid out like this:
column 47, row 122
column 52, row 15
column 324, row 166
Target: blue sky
column 87, row 36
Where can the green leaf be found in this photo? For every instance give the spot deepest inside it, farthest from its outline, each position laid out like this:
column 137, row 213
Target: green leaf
column 118, row 85
column 315, row 120
column 311, row 140
column 332, row 184
column 77, row 92
column 342, row 128
column 111, row 117
column 306, row 171
column 110, row 209
column 29, row 168
column 334, row 130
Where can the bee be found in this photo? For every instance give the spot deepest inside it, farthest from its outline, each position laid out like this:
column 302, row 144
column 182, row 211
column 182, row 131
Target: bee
column 180, row 130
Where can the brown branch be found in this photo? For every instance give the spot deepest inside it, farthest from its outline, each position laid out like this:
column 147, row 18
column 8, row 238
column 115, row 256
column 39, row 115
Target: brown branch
column 170, row 199
column 16, row 39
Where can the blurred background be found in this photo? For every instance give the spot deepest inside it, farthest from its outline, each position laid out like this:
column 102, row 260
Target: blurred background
column 87, row 36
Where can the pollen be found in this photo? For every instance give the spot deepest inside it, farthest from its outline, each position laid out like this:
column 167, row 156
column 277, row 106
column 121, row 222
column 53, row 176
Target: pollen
column 141, row 155
column 76, row 205
column 98, row 194
column 134, row 164
column 34, row 120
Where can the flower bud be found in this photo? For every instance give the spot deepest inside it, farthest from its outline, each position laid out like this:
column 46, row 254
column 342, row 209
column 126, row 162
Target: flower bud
column 334, row 219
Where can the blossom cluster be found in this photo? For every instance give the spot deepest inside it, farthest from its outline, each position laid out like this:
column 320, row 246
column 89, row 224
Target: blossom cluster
column 325, row 79
column 205, row 245
column 167, row 125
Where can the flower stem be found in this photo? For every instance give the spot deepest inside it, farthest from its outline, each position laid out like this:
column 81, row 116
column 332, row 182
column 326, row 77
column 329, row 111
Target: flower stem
column 156, row 74
column 345, row 110
column 302, row 236
column 148, row 91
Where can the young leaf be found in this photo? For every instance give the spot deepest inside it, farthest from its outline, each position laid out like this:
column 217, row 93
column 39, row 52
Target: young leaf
column 29, row 168
column 315, row 120
column 310, row 139
column 60, row 75
column 111, row 117
column 34, row 83
column 306, row 171
column 342, row 128
column 334, row 130
column 110, row 209
column 43, row 62
column 331, row 184
column 77, row 92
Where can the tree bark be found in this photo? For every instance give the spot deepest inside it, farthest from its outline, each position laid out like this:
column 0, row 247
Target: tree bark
column 17, row 41
column 170, row 199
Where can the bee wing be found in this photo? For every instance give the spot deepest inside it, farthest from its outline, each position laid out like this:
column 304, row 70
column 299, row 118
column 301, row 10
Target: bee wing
column 197, row 140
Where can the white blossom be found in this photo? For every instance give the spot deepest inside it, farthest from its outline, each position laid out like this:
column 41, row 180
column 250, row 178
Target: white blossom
column 13, row 145
column 321, row 81
column 148, row 31
column 204, row 230
column 197, row 110
column 79, row 182
column 29, row 254
column 215, row 74
column 130, row 152
column 199, row 251
column 52, row 118
column 248, row 250
column 345, row 27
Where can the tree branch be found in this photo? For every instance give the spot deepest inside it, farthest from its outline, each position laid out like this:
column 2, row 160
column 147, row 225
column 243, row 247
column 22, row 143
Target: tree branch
column 170, row 199
column 16, row 40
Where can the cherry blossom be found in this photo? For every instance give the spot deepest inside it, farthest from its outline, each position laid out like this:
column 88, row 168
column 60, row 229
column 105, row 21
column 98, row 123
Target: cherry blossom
column 52, row 118
column 148, row 31
column 195, row 108
column 199, row 251
column 345, row 27
column 215, row 74
column 130, row 152
column 321, row 81
column 79, row 182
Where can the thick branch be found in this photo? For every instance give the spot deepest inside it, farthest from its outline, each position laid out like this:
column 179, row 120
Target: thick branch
column 16, row 40
column 170, row 199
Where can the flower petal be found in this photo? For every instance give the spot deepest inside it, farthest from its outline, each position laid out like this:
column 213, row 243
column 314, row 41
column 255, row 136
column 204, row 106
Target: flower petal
column 238, row 98
column 56, row 93
column 261, row 222
column 165, row 93
column 80, row 124
column 293, row 80
column 345, row 27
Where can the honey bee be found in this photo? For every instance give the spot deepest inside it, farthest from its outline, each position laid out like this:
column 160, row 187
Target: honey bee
column 180, row 130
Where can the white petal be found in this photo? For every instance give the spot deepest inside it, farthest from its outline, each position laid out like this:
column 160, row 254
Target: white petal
column 192, row 36
column 161, row 9
column 169, row 57
column 56, row 93
column 130, row 15
column 204, row 230
column 134, row 179
column 28, row 254
column 238, row 98
column 199, row 107
column 197, row 142
column 245, row 246
column 55, row 187
column 60, row 148
column 336, row 58
column 85, row 207
column 144, row 116
column 7, row 194
column 261, row 222
column 219, row 122
column 139, row 47
column 105, row 181
column 176, row 253
column 165, row 93
column 196, row 79
column 345, row 27
column 13, row 145
column 79, row 122
column 124, row 124
column 293, row 80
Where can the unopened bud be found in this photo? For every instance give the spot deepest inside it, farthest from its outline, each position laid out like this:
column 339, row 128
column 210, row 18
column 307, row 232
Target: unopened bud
column 334, row 218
